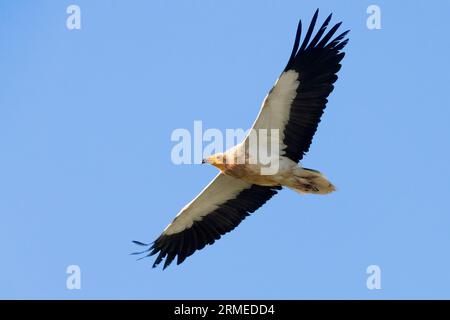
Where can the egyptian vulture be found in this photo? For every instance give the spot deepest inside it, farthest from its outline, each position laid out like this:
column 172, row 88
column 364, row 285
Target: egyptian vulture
column 293, row 107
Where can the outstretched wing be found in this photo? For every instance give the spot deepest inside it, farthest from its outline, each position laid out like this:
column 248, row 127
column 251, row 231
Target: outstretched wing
column 297, row 101
column 218, row 209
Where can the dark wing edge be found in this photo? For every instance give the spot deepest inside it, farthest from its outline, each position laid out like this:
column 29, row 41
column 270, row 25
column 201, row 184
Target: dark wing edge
column 317, row 63
column 210, row 228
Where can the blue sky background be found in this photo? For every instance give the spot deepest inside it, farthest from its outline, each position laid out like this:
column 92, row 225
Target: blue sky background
column 85, row 123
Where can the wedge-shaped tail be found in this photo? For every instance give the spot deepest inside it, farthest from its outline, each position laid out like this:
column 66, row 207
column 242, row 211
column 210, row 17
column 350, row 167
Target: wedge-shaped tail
column 310, row 181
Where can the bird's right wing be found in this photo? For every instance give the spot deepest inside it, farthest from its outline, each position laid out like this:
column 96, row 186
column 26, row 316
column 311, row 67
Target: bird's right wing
column 218, row 209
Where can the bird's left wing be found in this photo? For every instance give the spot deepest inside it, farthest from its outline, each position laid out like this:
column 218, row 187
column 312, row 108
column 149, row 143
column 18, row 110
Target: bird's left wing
column 296, row 102
column 218, row 209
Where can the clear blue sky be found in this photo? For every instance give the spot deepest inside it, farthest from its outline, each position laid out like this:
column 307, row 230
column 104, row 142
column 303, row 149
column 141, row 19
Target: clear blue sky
column 85, row 123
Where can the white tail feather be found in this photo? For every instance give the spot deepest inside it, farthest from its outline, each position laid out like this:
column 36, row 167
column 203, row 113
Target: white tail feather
column 310, row 181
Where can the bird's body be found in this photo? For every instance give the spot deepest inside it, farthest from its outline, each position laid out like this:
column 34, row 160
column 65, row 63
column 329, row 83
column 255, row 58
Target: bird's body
column 288, row 118
column 288, row 174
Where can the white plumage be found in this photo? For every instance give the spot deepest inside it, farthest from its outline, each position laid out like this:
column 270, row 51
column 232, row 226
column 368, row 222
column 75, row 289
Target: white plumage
column 293, row 108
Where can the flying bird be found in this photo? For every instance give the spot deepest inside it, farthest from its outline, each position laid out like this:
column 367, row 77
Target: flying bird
column 293, row 106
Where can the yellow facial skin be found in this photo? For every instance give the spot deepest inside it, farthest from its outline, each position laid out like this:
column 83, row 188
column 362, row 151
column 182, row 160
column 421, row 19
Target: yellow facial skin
column 216, row 161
